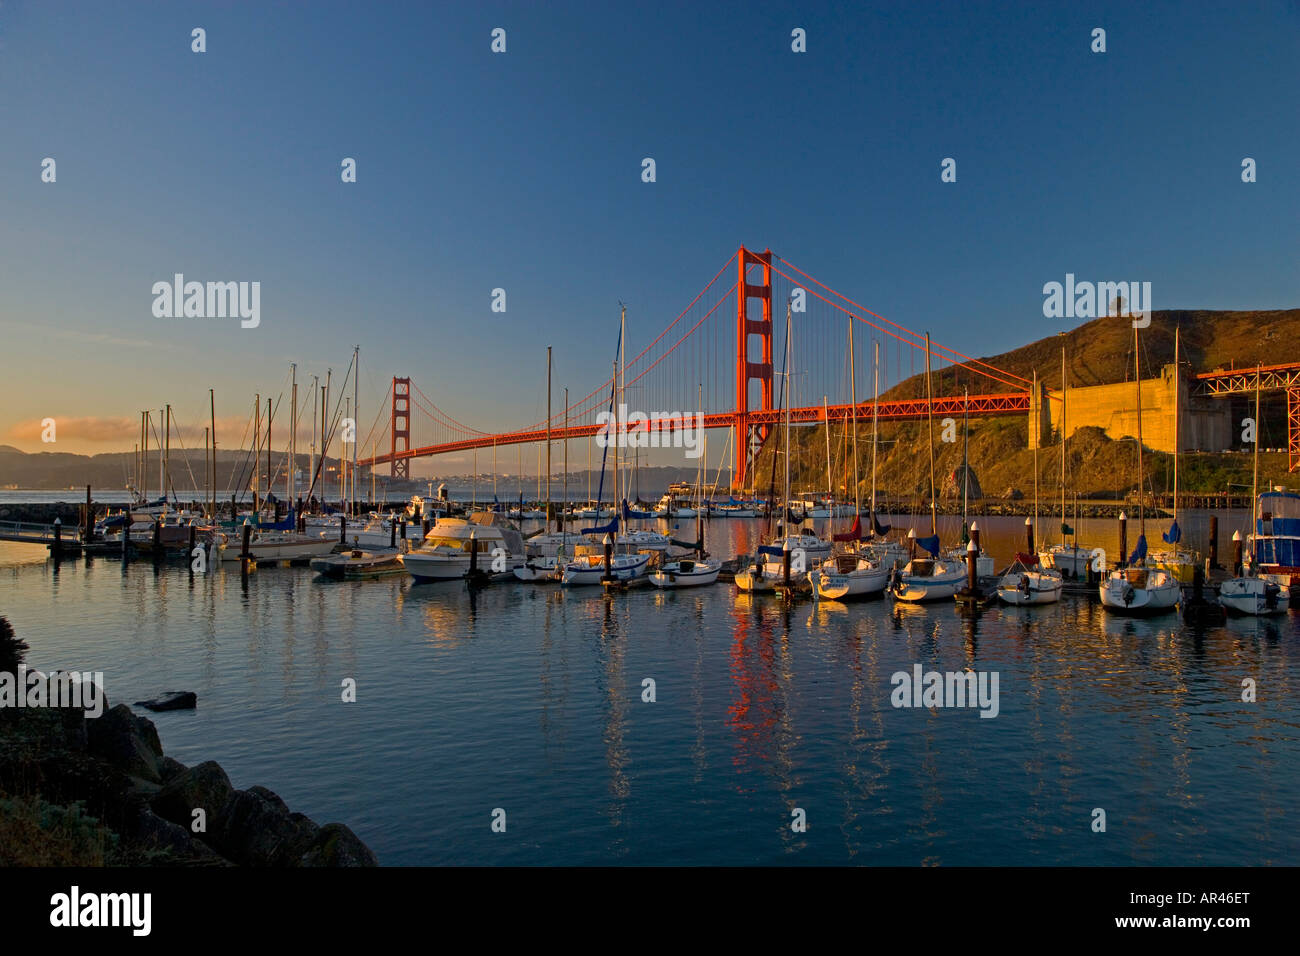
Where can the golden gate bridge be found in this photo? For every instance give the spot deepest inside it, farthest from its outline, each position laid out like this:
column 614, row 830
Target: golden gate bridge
column 718, row 353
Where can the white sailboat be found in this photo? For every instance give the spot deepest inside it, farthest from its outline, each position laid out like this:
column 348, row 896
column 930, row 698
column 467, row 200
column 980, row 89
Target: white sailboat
column 1179, row 563
column 1069, row 560
column 1139, row 589
column 1031, row 584
column 929, row 579
column 853, row 573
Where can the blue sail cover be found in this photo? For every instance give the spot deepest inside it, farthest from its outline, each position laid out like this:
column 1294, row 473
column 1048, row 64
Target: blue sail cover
column 611, row 528
column 629, row 514
column 1174, row 534
column 1140, row 551
column 878, row 529
column 775, row 549
column 930, row 544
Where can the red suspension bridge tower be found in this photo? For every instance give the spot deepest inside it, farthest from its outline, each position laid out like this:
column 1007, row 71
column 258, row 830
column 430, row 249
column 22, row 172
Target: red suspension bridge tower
column 749, row 437
column 401, row 427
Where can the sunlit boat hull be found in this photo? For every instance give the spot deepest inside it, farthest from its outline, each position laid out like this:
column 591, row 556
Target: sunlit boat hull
column 686, row 574
column 1030, row 587
column 626, row 567
column 1254, row 596
column 1139, row 591
column 858, row 583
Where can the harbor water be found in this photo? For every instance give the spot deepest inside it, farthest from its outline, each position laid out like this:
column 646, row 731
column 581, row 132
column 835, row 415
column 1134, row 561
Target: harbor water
column 533, row 700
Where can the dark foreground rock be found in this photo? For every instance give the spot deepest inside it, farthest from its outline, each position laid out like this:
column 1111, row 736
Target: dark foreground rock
column 157, row 811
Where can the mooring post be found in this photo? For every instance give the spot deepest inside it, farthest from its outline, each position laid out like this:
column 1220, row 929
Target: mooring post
column 972, row 564
column 975, row 535
column 343, row 528
column 1029, row 535
column 190, row 553
column 392, row 530
column 126, row 537
column 1236, row 553
column 89, row 534
column 57, row 550
column 1214, row 541
column 609, row 559
column 157, row 540
column 785, row 562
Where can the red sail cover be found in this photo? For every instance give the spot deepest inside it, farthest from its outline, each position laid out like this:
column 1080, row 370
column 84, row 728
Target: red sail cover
column 853, row 534
column 1028, row 560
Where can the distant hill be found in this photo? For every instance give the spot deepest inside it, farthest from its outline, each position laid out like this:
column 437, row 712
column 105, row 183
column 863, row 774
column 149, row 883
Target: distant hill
column 1097, row 352
column 1101, row 351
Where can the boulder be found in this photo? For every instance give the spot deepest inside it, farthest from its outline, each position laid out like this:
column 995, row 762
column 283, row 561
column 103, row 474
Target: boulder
column 153, row 834
column 336, row 845
column 204, row 786
column 126, row 741
column 171, row 700
column 256, row 829
column 1013, row 494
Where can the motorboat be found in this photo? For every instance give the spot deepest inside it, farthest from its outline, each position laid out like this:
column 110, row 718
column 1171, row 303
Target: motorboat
column 485, row 541
column 355, row 564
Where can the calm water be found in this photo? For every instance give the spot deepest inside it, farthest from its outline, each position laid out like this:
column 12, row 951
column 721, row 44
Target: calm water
column 529, row 699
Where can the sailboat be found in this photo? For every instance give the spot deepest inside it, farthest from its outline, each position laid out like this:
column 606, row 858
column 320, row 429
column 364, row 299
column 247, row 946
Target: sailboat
column 852, row 572
column 788, row 546
column 1138, row 589
column 1070, row 560
column 1026, row 581
column 1264, row 594
column 627, row 559
column 702, row 569
column 1179, row 563
column 928, row 579
column 983, row 562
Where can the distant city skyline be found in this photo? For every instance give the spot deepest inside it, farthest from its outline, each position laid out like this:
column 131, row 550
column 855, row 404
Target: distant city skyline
column 522, row 171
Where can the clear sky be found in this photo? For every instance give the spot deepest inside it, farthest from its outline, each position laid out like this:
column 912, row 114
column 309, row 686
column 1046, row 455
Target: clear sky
column 522, row 170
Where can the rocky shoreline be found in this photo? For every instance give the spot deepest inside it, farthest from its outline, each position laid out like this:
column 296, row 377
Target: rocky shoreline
column 110, row 775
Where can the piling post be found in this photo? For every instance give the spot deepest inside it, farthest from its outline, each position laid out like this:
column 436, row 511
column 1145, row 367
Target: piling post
column 609, row 559
column 157, row 540
column 392, row 530
column 190, row 553
column 1236, row 553
column 972, row 565
column 975, row 535
column 699, row 534
column 785, row 562
column 1214, row 541
column 126, row 538
column 1123, row 541
column 57, row 549
column 245, row 552
column 89, row 533
column 473, row 555
column 343, row 528
column 1029, row 535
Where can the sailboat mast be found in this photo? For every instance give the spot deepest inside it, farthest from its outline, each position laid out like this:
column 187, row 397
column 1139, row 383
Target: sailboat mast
column 548, row 436
column 311, row 460
column 875, row 421
column 268, row 446
column 1254, row 481
column 212, row 411
column 929, row 402
column 1063, row 443
column 1037, row 442
column 291, row 479
column 565, row 489
column 826, row 417
column 785, row 503
column 257, row 451
column 167, row 454
column 1137, row 381
column 1177, row 396
column 356, row 415
column 853, row 415
column 965, row 460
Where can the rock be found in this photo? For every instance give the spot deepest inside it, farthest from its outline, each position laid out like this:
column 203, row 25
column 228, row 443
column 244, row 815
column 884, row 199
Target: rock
column 204, row 787
column 171, row 700
column 336, row 845
column 126, row 741
column 152, row 833
column 1013, row 494
column 256, row 829
column 953, row 482
column 170, row 768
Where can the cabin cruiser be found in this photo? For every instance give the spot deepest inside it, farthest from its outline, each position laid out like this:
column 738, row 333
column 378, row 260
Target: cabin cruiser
column 276, row 545
column 354, row 564
column 1276, row 541
column 485, row 540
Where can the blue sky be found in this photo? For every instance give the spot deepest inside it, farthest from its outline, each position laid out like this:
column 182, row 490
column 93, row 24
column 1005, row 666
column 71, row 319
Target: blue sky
column 522, row 170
